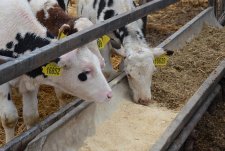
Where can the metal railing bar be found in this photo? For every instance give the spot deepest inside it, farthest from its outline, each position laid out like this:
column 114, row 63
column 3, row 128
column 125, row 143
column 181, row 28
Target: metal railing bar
column 45, row 54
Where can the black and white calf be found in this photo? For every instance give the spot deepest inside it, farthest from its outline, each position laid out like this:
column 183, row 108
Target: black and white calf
column 80, row 76
column 138, row 62
column 57, row 21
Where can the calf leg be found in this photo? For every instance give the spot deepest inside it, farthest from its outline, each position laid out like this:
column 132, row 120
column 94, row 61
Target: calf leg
column 30, row 107
column 59, row 95
column 8, row 112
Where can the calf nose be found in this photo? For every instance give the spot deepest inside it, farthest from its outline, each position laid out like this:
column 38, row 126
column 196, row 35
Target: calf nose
column 144, row 101
column 109, row 95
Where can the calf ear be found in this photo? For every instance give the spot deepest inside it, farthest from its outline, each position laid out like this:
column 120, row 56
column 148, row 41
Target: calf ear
column 63, row 31
column 160, row 51
column 115, row 44
column 66, row 60
column 169, row 52
column 118, row 48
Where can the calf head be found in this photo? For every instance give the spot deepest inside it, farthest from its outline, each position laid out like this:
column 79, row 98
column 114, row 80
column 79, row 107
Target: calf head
column 82, row 76
column 139, row 68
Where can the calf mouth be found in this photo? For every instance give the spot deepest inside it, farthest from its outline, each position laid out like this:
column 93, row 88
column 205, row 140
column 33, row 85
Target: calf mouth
column 144, row 102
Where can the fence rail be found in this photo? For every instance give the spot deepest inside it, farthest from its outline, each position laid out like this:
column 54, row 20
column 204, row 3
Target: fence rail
column 50, row 52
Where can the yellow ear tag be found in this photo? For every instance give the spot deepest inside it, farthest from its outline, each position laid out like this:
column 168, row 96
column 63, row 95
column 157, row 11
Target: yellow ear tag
column 61, row 35
column 52, row 69
column 103, row 41
column 161, row 60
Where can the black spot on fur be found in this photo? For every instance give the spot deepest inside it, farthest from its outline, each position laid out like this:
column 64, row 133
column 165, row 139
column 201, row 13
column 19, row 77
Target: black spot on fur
column 121, row 33
column 109, row 14
column 6, row 53
column 49, row 35
column 110, row 3
column 94, row 4
column 62, row 4
column 29, row 42
column 139, row 35
column 9, row 96
column 9, row 45
column 135, row 5
column 102, row 5
column 18, row 36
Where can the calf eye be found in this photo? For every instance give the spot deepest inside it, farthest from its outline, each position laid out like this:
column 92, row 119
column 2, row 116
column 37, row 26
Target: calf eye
column 83, row 76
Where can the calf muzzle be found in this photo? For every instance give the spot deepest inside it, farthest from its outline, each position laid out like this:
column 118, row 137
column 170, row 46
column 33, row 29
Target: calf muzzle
column 144, row 101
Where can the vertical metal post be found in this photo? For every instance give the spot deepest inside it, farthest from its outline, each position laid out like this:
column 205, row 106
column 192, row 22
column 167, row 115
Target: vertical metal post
column 211, row 2
column 145, row 19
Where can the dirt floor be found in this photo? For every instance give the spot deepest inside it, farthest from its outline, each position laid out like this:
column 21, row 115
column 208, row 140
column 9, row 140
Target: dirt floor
column 161, row 25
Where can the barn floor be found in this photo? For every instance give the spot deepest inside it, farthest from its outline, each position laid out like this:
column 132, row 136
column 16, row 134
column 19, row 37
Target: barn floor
column 161, row 25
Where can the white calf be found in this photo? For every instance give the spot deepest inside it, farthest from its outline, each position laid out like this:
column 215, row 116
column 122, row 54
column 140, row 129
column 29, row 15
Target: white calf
column 138, row 63
column 79, row 72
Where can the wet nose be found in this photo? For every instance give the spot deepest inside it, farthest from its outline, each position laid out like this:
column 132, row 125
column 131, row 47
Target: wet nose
column 144, row 101
column 109, row 95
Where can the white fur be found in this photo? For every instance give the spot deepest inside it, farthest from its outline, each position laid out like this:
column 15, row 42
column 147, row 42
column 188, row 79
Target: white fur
column 82, row 24
column 17, row 17
column 138, row 63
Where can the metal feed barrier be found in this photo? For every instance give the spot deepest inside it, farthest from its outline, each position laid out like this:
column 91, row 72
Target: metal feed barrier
column 16, row 67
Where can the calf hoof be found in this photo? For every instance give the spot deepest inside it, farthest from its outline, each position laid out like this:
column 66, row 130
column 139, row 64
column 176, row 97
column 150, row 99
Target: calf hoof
column 30, row 121
column 9, row 123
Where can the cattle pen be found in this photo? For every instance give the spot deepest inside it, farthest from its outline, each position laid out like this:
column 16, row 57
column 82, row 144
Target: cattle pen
column 180, row 128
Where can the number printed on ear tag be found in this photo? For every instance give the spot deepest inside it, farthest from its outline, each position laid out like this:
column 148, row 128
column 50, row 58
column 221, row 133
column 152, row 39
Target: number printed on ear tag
column 161, row 60
column 103, row 41
column 52, row 69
